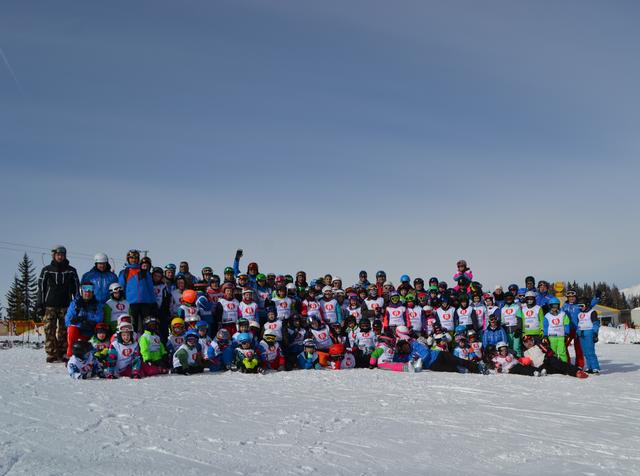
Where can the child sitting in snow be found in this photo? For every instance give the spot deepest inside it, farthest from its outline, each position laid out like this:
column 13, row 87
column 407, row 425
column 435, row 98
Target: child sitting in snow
column 220, row 352
column 124, row 354
column 187, row 359
column 308, row 358
column 272, row 357
column 339, row 359
column 82, row 364
column 506, row 363
column 246, row 357
column 100, row 342
column 464, row 352
column 176, row 335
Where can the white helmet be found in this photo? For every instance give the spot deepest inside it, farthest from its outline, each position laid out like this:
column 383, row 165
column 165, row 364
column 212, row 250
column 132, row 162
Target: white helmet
column 114, row 286
column 100, row 258
column 327, row 289
column 291, row 287
column 402, row 333
column 125, row 326
column 501, row 344
column 530, row 294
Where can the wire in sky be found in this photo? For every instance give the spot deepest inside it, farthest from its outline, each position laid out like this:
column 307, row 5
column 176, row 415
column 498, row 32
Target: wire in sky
column 11, row 71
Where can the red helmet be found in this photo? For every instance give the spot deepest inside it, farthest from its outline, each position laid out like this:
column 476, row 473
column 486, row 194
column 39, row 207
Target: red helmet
column 336, row 349
column 189, row 296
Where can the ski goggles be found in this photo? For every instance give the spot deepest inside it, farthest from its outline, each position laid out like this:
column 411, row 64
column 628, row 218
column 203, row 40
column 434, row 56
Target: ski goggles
column 86, row 288
column 170, row 266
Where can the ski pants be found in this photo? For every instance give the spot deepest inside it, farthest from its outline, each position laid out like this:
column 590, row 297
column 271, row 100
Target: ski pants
column 394, row 366
column 55, row 332
column 577, row 346
column 520, row 369
column 139, row 311
column 74, row 335
column 585, row 338
column 447, row 362
column 515, row 343
column 558, row 346
column 557, row 366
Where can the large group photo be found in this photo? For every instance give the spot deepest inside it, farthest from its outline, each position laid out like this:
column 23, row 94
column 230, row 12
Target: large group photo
column 149, row 320
column 274, row 237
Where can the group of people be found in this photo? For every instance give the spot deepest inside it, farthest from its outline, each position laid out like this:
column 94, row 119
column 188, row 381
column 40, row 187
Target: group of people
column 149, row 320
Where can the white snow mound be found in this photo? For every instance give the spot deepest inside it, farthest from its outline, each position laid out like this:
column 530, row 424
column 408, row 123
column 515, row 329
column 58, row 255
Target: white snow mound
column 321, row 422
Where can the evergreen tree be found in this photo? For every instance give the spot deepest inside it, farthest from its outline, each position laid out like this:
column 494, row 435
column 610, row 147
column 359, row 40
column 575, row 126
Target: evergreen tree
column 21, row 298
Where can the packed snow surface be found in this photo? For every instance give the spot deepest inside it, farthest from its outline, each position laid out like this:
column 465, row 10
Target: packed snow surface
column 322, row 422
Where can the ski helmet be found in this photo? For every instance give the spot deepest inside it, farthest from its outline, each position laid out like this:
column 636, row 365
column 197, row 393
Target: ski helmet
column 58, row 249
column 191, row 335
column 402, row 333
column 244, row 338
column 405, row 278
column 501, row 345
column 530, row 294
column 125, row 327
column 365, row 324
column 309, row 343
column 133, row 254
column 189, row 296
column 81, row 348
column 177, row 321
column 202, row 324
column 554, row 301
column 223, row 335
column 460, row 329
column 150, row 323
column 100, row 258
column 102, row 327
column 114, row 288
column 254, row 324
column 381, row 274
column 336, row 350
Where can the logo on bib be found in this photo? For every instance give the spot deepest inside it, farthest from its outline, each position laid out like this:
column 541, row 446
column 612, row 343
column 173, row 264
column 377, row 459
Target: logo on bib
column 528, row 313
column 446, row 317
column 127, row 352
column 395, row 313
column 120, row 307
column 555, row 321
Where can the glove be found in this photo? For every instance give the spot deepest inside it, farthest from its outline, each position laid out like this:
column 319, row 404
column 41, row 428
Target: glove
column 595, row 338
column 238, row 254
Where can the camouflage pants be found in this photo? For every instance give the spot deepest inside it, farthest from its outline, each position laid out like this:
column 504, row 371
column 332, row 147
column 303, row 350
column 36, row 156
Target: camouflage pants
column 55, row 332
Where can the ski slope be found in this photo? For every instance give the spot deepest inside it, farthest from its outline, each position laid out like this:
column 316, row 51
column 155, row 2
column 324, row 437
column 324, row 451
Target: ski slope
column 320, row 422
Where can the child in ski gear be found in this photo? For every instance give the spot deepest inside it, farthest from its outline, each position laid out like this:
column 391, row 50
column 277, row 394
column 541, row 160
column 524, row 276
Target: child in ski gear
column 463, row 351
column 124, row 354
column 541, row 357
column 323, row 336
column 229, row 306
column 587, row 326
column 532, row 315
column 100, row 342
column 82, row 364
column 246, row 358
column 572, row 309
column 83, row 314
column 494, row 333
column 248, row 308
column 176, row 336
column 187, row 359
column 340, row 359
column 152, row 350
column 383, row 353
column 414, row 316
column 115, row 307
column 273, row 324
column 271, row 352
column 311, row 306
column 220, row 352
column 465, row 315
column 283, row 303
column 204, row 341
column 176, row 294
column 480, row 309
column 188, row 309
column 506, row 363
column 445, row 314
column 364, row 343
column 308, row 358
column 511, row 319
column 556, row 329
column 395, row 312
column 474, row 344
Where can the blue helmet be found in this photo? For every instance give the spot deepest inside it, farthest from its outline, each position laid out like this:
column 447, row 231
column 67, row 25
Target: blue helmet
column 313, row 283
column 191, row 333
column 522, row 291
column 200, row 324
column 244, row 338
column 553, row 301
column 460, row 329
column 405, row 278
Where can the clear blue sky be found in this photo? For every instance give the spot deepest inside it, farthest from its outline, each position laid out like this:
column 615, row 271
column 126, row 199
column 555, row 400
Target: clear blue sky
column 330, row 136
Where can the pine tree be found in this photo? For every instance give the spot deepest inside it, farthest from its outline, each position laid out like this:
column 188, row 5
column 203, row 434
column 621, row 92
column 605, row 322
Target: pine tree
column 21, row 298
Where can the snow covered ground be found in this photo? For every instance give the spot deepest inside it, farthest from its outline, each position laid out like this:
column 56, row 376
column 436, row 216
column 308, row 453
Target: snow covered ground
column 322, row 422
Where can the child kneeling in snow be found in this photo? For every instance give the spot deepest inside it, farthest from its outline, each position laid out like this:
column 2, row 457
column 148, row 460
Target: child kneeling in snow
column 100, row 342
column 220, row 352
column 188, row 358
column 82, row 364
column 124, row 354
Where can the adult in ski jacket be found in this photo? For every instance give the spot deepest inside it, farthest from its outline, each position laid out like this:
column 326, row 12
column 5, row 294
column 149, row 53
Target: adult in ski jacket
column 101, row 277
column 57, row 285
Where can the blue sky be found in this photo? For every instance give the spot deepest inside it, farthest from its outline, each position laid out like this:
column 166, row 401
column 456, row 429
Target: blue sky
column 329, row 136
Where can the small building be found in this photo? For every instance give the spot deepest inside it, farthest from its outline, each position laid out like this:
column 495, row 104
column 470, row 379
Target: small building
column 635, row 317
column 609, row 316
